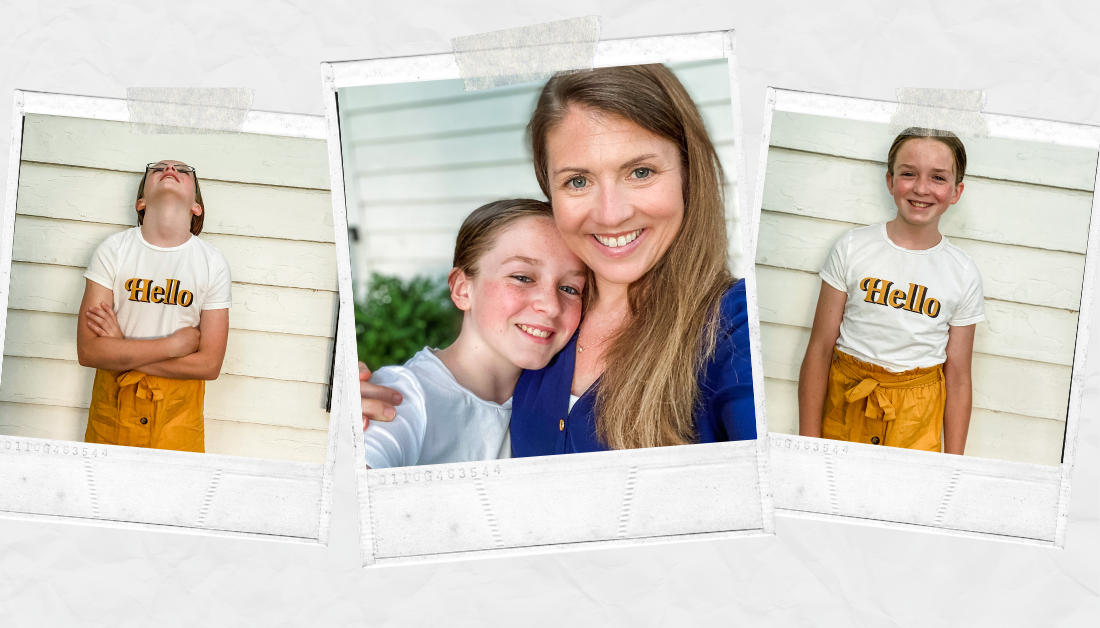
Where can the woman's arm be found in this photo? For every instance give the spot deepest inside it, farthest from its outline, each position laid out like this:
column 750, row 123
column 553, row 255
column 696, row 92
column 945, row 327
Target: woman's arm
column 960, row 389
column 813, row 377
column 206, row 363
column 102, row 348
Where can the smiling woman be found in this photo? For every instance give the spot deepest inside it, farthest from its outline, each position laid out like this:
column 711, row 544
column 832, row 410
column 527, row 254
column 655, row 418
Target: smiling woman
column 662, row 356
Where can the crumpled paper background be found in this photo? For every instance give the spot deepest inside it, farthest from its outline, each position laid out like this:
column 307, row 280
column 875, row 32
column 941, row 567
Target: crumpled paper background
column 1036, row 60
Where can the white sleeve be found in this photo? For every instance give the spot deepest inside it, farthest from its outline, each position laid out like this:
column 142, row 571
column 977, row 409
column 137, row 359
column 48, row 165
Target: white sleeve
column 971, row 307
column 104, row 265
column 835, row 270
column 219, row 296
column 397, row 443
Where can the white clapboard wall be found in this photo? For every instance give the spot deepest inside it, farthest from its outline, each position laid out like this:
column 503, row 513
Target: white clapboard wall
column 268, row 210
column 419, row 157
column 1023, row 218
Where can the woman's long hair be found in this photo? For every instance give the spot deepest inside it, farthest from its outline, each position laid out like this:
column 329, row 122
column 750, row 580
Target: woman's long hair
column 648, row 392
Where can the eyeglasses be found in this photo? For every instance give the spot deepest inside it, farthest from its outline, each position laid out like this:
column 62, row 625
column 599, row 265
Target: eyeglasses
column 182, row 169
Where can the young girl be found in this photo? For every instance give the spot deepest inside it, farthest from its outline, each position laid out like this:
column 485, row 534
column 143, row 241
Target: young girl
column 888, row 362
column 154, row 319
column 519, row 288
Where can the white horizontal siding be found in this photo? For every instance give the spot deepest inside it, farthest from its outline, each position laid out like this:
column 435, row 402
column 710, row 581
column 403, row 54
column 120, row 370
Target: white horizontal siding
column 105, row 196
column 241, row 157
column 1023, row 218
column 268, row 211
column 230, row 438
column 418, row 158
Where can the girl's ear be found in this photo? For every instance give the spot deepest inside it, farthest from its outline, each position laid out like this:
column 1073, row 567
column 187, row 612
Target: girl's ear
column 890, row 183
column 140, row 205
column 196, row 209
column 958, row 193
column 460, row 288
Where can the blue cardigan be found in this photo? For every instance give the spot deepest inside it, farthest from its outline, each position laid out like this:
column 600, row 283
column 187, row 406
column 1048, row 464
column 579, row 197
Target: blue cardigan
column 543, row 425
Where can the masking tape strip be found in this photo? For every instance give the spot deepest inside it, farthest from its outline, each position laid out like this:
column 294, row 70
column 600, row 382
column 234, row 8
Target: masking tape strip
column 187, row 110
column 529, row 53
column 956, row 110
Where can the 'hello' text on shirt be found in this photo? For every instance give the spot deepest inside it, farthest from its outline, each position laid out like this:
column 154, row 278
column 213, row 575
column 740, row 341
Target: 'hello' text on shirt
column 914, row 300
column 143, row 291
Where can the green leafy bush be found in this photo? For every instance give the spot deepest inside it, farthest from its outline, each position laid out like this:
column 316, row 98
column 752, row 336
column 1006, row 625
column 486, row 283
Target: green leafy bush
column 399, row 318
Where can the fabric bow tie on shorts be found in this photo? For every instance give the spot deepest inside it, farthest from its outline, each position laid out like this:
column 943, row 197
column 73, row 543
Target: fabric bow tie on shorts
column 885, row 408
column 146, row 389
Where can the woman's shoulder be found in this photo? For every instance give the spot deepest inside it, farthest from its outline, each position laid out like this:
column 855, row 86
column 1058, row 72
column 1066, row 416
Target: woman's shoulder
column 734, row 307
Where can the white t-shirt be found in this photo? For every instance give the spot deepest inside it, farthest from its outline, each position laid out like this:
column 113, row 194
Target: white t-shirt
column 157, row 290
column 901, row 302
column 439, row 421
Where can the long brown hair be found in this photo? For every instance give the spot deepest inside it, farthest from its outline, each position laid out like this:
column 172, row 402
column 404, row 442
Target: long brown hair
column 947, row 138
column 479, row 231
column 648, row 391
column 196, row 221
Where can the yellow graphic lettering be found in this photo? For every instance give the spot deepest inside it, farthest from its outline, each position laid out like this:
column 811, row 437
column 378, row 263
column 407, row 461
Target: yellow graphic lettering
column 897, row 298
column 876, row 292
column 158, row 294
column 139, row 289
column 932, row 308
column 185, row 298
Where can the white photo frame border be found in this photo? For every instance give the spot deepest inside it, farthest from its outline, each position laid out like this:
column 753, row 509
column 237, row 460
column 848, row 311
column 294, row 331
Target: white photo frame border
column 181, row 492
column 1009, row 501
column 393, row 526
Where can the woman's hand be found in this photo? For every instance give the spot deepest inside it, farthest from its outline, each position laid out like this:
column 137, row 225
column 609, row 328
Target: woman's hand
column 376, row 400
column 101, row 319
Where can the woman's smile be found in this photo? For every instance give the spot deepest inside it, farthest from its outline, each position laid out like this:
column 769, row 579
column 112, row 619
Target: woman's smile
column 615, row 241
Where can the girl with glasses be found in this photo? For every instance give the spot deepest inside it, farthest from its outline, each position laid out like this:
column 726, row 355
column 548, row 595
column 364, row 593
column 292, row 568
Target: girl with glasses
column 154, row 319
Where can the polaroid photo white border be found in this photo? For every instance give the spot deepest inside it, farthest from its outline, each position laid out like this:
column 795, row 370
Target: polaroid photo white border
column 932, row 492
column 129, row 487
column 558, row 503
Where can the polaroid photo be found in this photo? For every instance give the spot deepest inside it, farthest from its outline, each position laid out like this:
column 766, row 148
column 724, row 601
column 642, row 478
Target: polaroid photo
column 465, row 278
column 924, row 312
column 156, row 379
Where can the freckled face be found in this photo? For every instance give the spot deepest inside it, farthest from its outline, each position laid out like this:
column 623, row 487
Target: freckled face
column 923, row 182
column 617, row 192
column 526, row 297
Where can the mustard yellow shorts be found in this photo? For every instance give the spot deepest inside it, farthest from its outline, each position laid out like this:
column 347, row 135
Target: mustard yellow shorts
column 134, row 409
column 866, row 403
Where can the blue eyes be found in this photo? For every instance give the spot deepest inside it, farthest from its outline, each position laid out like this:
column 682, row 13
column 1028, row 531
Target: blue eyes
column 580, row 182
column 566, row 289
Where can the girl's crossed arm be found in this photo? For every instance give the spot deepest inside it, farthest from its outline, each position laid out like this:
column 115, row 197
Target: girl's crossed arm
column 189, row 353
column 813, row 377
column 960, row 390
column 206, row 363
column 99, row 344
